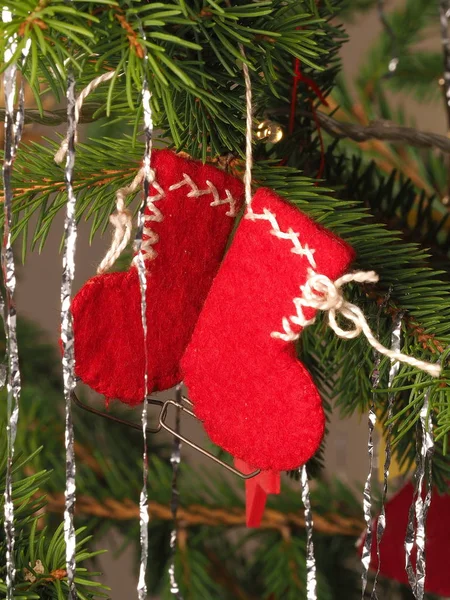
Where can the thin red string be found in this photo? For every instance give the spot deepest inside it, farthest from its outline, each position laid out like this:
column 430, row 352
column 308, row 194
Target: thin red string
column 297, row 77
column 312, row 85
column 322, row 145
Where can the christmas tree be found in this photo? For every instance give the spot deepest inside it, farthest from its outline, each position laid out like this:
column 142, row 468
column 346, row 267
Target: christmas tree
column 196, row 78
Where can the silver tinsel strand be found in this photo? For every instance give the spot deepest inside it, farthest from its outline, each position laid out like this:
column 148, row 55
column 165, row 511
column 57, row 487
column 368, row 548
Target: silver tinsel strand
column 311, row 578
column 393, row 371
column 367, row 497
column 148, row 179
column 419, row 507
column 10, row 375
column 175, row 460
column 68, row 360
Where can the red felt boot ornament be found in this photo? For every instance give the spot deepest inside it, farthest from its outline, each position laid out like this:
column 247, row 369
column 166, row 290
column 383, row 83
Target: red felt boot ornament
column 255, row 398
column 189, row 216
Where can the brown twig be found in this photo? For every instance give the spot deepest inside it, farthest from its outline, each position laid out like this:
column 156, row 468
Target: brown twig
column 196, row 514
column 131, row 34
column 391, row 160
column 428, row 341
column 381, row 130
column 33, row 19
column 373, row 135
column 110, row 175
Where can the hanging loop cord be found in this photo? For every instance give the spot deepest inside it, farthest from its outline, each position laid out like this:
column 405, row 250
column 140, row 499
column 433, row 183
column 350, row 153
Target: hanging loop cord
column 248, row 134
column 299, row 76
column 122, row 219
column 319, row 292
column 62, row 151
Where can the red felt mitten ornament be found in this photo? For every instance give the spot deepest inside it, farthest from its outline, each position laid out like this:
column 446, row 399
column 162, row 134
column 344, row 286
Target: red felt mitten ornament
column 189, row 216
column 392, row 545
column 255, row 398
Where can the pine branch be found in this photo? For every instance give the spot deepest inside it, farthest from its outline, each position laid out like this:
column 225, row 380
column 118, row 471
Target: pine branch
column 195, row 74
column 53, row 118
column 194, row 69
column 223, row 576
column 404, row 267
column 286, row 557
column 40, row 554
column 418, row 73
column 380, row 130
column 350, row 8
column 394, row 201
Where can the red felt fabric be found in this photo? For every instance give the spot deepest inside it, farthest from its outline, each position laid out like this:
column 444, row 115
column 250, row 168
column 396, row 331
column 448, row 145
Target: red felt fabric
column 257, row 401
column 257, row 489
column 107, row 311
column 392, row 551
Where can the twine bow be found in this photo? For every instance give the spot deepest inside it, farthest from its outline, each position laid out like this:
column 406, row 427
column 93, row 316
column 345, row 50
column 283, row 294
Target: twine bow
column 320, row 293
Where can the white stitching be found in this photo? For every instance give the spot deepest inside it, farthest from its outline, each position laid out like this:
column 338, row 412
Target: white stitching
column 157, row 216
column 196, row 193
column 122, row 219
column 299, row 319
column 290, row 234
column 228, row 200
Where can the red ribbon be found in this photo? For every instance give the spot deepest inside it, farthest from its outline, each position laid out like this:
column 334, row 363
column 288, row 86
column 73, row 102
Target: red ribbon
column 312, row 85
column 256, row 491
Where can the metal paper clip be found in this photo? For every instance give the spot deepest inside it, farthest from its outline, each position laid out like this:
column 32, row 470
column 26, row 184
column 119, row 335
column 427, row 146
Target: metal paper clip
column 184, row 408
column 165, row 404
column 115, row 419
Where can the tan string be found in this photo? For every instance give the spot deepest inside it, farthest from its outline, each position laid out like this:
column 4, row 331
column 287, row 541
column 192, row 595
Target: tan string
column 248, row 134
column 320, row 293
column 61, row 153
column 122, row 221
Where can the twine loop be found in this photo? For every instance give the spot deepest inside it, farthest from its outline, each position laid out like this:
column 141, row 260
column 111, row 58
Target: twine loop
column 122, row 221
column 62, row 150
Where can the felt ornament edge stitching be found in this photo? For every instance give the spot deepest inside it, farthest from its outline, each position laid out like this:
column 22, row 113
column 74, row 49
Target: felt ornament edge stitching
column 196, row 193
column 156, row 216
column 330, row 299
column 297, row 248
column 290, row 234
column 122, row 219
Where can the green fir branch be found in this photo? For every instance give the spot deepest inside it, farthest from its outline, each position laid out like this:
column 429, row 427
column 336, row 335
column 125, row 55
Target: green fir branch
column 40, row 554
